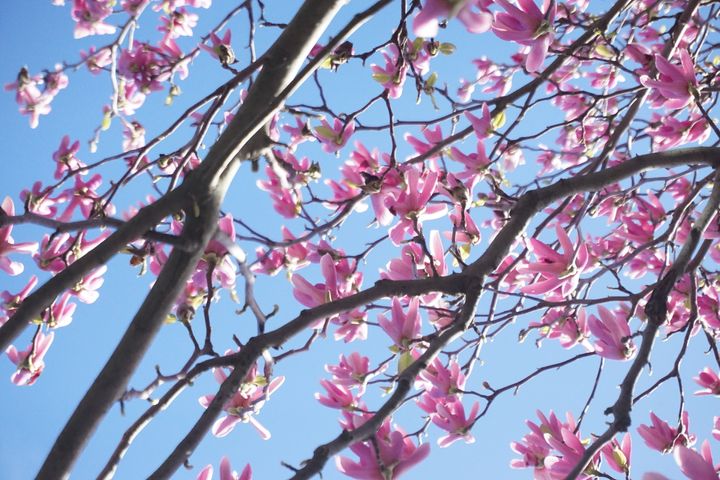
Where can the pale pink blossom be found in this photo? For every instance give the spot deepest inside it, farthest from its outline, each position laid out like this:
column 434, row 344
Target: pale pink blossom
column 403, row 328
column 676, row 84
column 335, row 137
column 8, row 244
column 527, row 25
column 226, row 472
column 710, row 382
column 395, row 454
column 559, row 273
column 29, row 362
column 614, row 339
column 662, row 437
column 245, row 403
column 472, row 13
column 696, row 466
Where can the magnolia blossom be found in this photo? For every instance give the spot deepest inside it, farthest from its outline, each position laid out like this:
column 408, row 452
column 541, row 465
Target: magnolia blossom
column 8, row 245
column 426, row 22
column 391, row 455
column 335, row 137
column 226, row 472
column 527, row 25
column 662, row 437
column 613, row 334
column 559, row 273
column 676, row 83
column 30, row 362
column 245, row 403
column 710, row 382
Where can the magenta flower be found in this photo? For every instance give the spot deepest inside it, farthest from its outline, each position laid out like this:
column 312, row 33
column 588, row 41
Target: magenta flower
column 403, row 327
column 527, row 25
column 482, row 126
column 696, row 466
column 179, row 24
column 614, row 340
column 96, row 61
column 710, row 382
column 411, row 204
column 425, row 23
column 617, row 454
column 335, row 137
column 395, row 455
column 83, row 196
column 313, row 295
column 60, row 313
column 245, row 403
column 8, row 245
column 676, row 83
column 352, row 371
column 226, row 472
column 559, row 273
column 337, row 396
column 65, row 158
column 449, row 414
column 89, row 16
column 392, row 75
column 662, row 437
column 30, row 362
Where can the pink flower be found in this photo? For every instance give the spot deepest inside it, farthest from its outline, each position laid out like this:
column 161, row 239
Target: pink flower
column 617, row 454
column 388, row 457
column 226, row 472
column 337, row 396
column 7, row 243
column 352, row 371
column 425, row 23
column 403, row 327
column 245, row 403
column 710, row 382
column 527, row 25
column 613, row 335
column 179, row 24
column 482, row 126
column 30, row 362
column 696, row 466
column 411, row 204
column 663, row 438
column 449, row 414
column 442, row 381
column 65, row 158
column 60, row 313
column 89, row 16
column 676, row 83
column 392, row 75
column 335, row 137
column 559, row 273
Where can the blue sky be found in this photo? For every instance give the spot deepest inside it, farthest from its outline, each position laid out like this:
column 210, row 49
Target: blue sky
column 41, row 35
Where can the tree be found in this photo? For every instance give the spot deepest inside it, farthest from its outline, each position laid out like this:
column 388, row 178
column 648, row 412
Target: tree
column 556, row 196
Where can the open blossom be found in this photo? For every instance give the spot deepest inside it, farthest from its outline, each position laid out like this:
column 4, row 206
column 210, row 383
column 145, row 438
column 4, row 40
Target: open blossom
column 559, row 273
column 89, row 16
column 675, row 83
column 613, row 334
column 245, row 403
column 411, row 204
column 426, row 22
column 226, row 472
column 529, row 26
column 662, row 437
column 30, row 362
column 352, row 371
column 335, row 137
column 387, row 458
column 8, row 245
column 710, row 382
column 696, row 466
column 392, row 75
column 337, row 396
column 617, row 454
column 448, row 413
column 403, row 327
